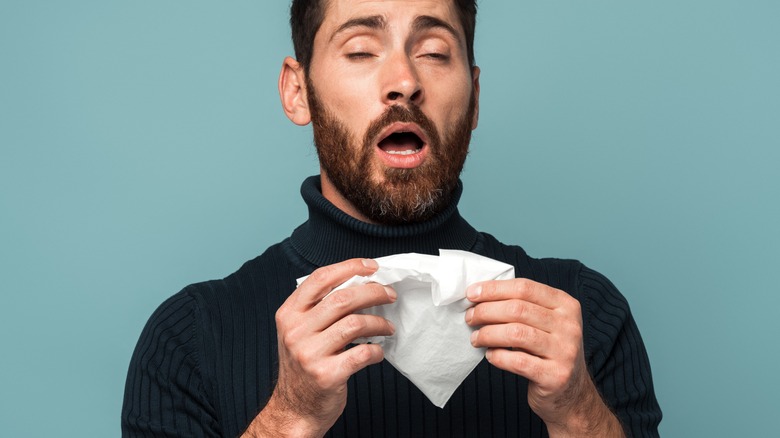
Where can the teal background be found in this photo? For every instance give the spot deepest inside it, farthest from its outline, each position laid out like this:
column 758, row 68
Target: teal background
column 142, row 148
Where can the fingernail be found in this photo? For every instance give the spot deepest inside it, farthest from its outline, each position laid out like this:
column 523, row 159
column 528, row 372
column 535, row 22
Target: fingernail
column 469, row 315
column 392, row 326
column 474, row 291
column 370, row 263
column 489, row 355
column 391, row 293
column 474, row 336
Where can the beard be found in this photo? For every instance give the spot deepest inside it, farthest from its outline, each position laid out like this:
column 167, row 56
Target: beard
column 401, row 195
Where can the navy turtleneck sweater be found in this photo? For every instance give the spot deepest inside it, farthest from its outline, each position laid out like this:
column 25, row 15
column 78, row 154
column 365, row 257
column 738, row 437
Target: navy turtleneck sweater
column 205, row 363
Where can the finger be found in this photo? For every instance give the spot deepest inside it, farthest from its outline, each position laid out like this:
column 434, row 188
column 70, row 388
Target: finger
column 324, row 279
column 518, row 336
column 358, row 357
column 334, row 371
column 347, row 301
column 517, row 288
column 518, row 362
column 303, row 326
column 351, row 327
column 498, row 312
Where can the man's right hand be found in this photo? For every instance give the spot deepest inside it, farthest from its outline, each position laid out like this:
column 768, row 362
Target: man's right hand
column 314, row 366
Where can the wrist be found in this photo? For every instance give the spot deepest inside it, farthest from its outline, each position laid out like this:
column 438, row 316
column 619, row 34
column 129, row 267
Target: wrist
column 592, row 419
column 277, row 421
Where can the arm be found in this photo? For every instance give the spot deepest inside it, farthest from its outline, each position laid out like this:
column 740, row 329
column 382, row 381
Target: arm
column 536, row 331
column 314, row 366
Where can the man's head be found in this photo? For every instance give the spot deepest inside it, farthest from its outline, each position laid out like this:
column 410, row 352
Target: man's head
column 393, row 96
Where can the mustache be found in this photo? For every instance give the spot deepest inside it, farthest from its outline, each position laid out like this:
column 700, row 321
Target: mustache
column 405, row 114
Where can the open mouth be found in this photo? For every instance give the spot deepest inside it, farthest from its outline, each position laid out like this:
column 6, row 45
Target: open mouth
column 402, row 143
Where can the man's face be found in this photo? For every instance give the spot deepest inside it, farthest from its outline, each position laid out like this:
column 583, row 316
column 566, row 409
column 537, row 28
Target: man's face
column 393, row 102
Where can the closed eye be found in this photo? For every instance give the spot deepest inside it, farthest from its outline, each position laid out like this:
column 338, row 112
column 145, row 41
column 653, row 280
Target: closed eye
column 436, row 56
column 359, row 55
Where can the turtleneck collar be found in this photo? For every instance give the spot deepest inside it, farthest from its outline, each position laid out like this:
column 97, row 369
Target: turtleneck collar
column 331, row 236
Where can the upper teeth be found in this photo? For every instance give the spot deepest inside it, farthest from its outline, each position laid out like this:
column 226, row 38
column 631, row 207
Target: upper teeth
column 406, row 152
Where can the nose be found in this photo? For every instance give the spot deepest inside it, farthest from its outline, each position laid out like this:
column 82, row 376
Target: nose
column 401, row 84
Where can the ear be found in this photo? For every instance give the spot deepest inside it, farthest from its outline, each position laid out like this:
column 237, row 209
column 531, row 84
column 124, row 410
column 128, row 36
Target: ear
column 292, row 92
column 475, row 80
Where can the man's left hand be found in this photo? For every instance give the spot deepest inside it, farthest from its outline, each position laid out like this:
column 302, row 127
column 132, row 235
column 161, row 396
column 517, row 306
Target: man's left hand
column 534, row 330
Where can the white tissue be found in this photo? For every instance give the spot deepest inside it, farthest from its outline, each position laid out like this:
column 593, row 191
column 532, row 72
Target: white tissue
column 431, row 345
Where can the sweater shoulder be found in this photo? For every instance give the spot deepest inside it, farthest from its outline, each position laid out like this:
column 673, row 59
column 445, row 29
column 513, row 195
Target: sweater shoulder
column 249, row 296
column 271, row 271
column 602, row 295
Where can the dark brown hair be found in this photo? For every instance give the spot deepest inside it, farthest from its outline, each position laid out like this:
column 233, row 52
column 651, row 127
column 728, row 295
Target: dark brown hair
column 306, row 17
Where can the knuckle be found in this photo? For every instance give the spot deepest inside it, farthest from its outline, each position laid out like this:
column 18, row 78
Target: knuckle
column 523, row 285
column 321, row 275
column 518, row 362
column 279, row 317
column 362, row 355
column 322, row 376
column 370, row 291
column 353, row 325
column 547, row 318
column 339, row 299
column 287, row 339
column 574, row 329
column 517, row 310
column 378, row 290
column 283, row 313
column 570, row 353
column 576, row 307
column 304, row 357
column 517, row 333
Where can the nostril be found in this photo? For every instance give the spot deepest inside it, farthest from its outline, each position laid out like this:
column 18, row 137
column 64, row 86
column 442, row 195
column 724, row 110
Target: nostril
column 394, row 95
column 416, row 95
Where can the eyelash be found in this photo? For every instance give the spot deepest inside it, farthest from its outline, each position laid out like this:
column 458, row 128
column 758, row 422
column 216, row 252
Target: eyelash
column 437, row 56
column 359, row 55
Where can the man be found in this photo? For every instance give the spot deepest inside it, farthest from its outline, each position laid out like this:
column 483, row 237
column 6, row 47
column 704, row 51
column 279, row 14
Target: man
column 393, row 94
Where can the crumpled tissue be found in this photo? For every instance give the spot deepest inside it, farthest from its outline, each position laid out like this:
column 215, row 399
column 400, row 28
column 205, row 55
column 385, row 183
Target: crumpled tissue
column 431, row 345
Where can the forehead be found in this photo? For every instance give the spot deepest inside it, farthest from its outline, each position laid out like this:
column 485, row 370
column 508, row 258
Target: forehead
column 338, row 12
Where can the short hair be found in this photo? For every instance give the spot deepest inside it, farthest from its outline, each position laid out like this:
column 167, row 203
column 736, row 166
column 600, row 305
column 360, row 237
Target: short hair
column 306, row 17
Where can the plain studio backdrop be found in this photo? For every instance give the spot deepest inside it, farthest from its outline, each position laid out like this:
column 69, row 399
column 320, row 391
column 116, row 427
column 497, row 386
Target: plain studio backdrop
column 142, row 148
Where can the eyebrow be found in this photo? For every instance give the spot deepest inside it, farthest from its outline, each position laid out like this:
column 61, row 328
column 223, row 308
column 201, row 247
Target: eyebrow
column 420, row 24
column 426, row 22
column 371, row 22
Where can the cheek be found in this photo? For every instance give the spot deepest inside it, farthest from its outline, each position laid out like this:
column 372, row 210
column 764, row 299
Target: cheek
column 454, row 111
column 452, row 104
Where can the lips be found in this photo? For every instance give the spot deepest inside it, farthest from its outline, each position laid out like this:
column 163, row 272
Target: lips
column 402, row 145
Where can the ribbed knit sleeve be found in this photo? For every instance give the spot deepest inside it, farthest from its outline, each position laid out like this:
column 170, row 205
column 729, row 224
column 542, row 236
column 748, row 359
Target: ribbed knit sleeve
column 165, row 393
column 616, row 355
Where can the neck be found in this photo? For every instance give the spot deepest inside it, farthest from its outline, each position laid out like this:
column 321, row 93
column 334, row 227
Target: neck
column 332, row 235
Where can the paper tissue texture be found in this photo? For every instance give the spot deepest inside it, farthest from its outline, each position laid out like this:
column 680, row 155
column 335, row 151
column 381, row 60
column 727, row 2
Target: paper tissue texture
column 431, row 345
